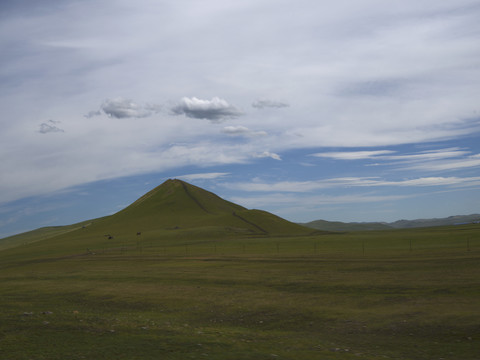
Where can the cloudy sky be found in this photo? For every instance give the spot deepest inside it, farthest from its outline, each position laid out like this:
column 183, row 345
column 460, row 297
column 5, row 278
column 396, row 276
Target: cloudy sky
column 349, row 110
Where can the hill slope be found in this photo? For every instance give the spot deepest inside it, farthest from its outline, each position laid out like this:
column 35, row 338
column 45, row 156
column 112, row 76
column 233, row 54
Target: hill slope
column 39, row 234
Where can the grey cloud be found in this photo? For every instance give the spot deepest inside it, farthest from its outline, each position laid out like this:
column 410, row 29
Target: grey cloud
column 121, row 108
column 214, row 110
column 242, row 131
column 49, row 127
column 261, row 104
column 92, row 114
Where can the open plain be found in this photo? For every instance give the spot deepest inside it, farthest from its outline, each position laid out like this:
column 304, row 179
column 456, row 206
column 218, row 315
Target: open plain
column 206, row 293
column 395, row 294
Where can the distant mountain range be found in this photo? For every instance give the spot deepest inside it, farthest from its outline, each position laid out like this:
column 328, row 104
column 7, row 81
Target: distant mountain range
column 400, row 224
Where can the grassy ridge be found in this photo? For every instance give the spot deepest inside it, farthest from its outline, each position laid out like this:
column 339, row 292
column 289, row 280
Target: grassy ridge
column 341, row 226
column 400, row 224
column 409, row 294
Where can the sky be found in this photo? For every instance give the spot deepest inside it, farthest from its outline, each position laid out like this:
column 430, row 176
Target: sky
column 362, row 110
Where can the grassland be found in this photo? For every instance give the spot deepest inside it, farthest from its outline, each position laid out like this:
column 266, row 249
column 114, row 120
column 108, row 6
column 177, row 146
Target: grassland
column 214, row 294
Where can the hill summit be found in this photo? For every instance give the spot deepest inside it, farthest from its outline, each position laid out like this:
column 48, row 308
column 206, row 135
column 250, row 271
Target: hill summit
column 176, row 200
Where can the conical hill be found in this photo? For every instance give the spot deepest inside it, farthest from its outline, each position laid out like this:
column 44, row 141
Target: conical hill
column 176, row 205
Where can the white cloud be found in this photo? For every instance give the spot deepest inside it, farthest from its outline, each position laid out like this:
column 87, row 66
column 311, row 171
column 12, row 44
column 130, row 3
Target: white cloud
column 215, row 109
column 428, row 160
column 451, row 165
column 439, row 181
column 202, row 176
column 353, row 155
column 284, row 201
column 430, row 155
column 281, row 186
column 417, row 182
column 351, row 182
column 269, row 154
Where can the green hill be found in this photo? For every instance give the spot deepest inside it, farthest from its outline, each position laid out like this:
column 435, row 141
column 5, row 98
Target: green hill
column 172, row 212
column 177, row 205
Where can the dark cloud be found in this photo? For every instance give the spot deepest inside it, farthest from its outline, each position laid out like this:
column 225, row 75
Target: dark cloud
column 121, row 108
column 261, row 104
column 49, row 127
column 215, row 110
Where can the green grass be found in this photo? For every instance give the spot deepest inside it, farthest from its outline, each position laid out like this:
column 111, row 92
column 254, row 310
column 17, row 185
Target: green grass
column 208, row 293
